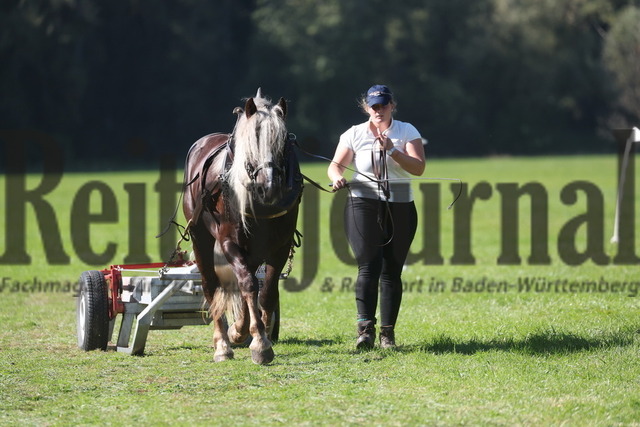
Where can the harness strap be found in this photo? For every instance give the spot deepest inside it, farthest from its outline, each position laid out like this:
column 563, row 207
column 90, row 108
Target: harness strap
column 185, row 185
column 296, row 242
column 210, row 196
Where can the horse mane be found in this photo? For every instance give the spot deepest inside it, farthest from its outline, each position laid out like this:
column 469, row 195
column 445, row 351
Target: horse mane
column 259, row 137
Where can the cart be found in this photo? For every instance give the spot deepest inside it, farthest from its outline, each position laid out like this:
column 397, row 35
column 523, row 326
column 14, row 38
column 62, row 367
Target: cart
column 145, row 297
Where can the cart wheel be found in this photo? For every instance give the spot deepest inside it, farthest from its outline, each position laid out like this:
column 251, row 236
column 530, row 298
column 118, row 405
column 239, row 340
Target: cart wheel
column 92, row 311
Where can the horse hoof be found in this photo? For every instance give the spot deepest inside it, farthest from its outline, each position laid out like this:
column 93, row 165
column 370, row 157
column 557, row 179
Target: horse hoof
column 262, row 357
column 221, row 357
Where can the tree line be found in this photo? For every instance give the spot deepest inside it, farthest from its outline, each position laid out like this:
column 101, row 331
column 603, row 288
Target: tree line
column 132, row 80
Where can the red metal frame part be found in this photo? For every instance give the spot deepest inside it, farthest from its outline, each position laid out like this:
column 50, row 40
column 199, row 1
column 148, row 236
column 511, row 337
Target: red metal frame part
column 113, row 276
column 114, row 285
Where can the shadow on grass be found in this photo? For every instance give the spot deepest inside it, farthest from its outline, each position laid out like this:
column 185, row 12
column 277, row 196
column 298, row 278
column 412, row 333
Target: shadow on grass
column 537, row 343
column 307, row 342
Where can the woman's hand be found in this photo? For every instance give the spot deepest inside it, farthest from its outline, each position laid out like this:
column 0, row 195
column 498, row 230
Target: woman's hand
column 412, row 159
column 385, row 143
column 341, row 159
column 339, row 183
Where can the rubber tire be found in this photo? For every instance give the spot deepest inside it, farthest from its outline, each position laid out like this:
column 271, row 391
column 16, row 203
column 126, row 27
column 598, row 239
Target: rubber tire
column 92, row 311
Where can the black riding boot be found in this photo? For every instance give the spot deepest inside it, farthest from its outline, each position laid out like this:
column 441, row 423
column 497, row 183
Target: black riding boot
column 366, row 334
column 387, row 337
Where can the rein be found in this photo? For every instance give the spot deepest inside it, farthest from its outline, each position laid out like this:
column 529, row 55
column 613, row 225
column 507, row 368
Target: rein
column 292, row 137
column 381, row 179
column 381, row 172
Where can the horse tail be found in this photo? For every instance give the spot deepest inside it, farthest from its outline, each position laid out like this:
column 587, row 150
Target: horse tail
column 226, row 297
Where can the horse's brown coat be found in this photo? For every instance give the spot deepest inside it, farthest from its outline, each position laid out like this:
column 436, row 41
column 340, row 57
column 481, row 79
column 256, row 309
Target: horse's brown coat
column 246, row 239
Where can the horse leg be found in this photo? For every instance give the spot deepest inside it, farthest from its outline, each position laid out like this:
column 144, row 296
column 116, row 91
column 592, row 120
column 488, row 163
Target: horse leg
column 203, row 243
column 239, row 330
column 223, row 350
column 261, row 350
column 269, row 297
column 270, row 294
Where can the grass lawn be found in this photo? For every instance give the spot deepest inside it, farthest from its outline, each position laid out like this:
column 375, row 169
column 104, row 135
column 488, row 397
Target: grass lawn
column 476, row 345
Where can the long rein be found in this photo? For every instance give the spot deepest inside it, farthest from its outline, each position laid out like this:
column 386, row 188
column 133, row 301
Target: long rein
column 292, row 137
column 381, row 179
column 383, row 182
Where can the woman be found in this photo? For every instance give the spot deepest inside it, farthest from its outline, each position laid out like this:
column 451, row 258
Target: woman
column 380, row 215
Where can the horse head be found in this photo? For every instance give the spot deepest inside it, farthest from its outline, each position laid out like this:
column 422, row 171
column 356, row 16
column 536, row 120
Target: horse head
column 267, row 175
column 258, row 173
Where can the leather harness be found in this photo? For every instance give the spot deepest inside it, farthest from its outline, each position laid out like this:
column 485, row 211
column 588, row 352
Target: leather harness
column 209, row 197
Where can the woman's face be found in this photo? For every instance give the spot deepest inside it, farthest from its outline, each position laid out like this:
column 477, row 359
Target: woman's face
column 379, row 113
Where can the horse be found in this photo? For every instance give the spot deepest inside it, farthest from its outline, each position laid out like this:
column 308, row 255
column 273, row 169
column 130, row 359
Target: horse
column 241, row 205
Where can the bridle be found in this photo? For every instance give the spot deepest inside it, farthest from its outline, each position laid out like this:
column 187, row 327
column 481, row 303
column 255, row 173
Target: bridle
column 253, row 171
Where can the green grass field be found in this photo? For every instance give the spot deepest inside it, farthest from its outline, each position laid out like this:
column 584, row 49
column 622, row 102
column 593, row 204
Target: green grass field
column 487, row 356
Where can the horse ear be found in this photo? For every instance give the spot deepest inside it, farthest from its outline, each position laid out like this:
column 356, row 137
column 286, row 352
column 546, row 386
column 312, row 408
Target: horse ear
column 283, row 106
column 250, row 108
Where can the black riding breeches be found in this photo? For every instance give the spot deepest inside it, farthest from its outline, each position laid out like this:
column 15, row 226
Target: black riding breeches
column 380, row 235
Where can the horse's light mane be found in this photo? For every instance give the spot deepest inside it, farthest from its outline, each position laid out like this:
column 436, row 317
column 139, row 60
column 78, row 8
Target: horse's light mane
column 258, row 139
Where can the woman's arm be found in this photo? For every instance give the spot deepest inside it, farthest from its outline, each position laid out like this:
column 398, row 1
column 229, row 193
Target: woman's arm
column 413, row 159
column 341, row 159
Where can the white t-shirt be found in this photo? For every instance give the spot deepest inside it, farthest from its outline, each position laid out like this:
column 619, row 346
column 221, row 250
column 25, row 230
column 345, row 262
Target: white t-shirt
column 360, row 140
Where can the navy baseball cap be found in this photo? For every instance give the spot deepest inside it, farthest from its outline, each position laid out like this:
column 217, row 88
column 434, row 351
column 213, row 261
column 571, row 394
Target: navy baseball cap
column 378, row 94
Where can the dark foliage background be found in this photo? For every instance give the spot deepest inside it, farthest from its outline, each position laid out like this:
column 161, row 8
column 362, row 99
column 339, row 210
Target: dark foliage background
column 123, row 83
